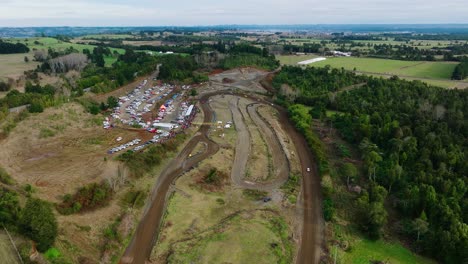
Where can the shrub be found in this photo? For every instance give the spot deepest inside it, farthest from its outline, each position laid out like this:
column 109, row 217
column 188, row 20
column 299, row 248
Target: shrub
column 254, row 194
column 5, row 177
column 87, row 198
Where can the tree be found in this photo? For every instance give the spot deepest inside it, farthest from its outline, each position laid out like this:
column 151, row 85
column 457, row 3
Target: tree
column 112, row 102
column 349, row 171
column 9, row 207
column 377, row 218
column 420, row 225
column 37, row 221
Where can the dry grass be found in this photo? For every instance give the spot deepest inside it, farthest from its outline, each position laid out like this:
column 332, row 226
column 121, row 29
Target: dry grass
column 13, row 65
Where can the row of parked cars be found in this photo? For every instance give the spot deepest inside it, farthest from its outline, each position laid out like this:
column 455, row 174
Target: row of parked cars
column 125, row 146
column 155, row 139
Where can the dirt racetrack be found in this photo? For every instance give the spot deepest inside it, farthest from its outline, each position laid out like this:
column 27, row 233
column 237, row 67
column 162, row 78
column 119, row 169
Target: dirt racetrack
column 146, row 234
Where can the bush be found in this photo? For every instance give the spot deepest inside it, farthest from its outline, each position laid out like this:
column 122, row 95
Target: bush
column 328, row 209
column 255, row 194
column 52, row 253
column 87, row 198
column 38, row 222
column 4, row 87
column 135, row 198
column 36, row 107
column 5, row 177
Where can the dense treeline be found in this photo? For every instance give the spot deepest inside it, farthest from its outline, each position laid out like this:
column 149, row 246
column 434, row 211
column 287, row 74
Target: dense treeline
column 10, row 48
column 300, row 116
column 37, row 96
column 307, row 48
column 312, row 83
column 461, row 71
column 404, row 52
column 413, row 141
column 125, row 70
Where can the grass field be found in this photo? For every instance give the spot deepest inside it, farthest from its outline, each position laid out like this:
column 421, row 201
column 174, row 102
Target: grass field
column 424, row 69
column 242, row 239
column 46, row 43
column 7, row 252
column 13, row 65
column 364, row 251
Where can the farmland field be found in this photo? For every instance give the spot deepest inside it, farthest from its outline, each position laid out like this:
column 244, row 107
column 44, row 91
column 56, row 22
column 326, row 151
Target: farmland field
column 424, row 69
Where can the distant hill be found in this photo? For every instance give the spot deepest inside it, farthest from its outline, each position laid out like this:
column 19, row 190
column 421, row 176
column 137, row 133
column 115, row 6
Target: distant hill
column 7, row 32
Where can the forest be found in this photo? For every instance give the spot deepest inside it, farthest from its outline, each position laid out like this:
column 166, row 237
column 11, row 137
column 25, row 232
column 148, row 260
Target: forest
column 413, row 141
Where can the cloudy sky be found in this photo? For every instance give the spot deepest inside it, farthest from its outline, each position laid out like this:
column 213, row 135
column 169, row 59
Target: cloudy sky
column 211, row 12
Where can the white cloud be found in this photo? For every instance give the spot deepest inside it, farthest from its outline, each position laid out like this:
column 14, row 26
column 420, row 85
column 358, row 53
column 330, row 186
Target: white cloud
column 203, row 12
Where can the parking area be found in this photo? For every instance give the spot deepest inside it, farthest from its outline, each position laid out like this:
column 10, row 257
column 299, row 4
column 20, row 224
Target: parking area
column 163, row 110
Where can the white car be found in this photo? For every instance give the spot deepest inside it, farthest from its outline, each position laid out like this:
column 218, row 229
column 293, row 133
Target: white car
column 308, row 169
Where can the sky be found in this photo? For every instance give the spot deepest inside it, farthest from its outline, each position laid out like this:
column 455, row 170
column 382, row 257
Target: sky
column 210, row 12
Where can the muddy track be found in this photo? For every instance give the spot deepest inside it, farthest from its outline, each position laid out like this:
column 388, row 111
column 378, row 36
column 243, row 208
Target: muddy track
column 280, row 161
column 145, row 236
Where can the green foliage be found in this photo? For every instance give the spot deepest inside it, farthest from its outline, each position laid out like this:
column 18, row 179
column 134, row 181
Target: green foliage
column 52, row 254
column 37, row 221
column 4, row 87
column 301, row 118
column 177, row 68
column 46, row 133
column 141, row 163
column 280, row 227
column 36, row 107
column 212, row 177
column 193, row 92
column 135, row 198
column 312, row 84
column 112, row 102
column 249, row 60
column 90, row 105
column 9, row 207
column 291, row 187
column 461, row 71
column 10, row 48
column 343, row 150
column 254, row 195
column 87, row 198
column 328, row 209
column 410, row 138
column 5, row 177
